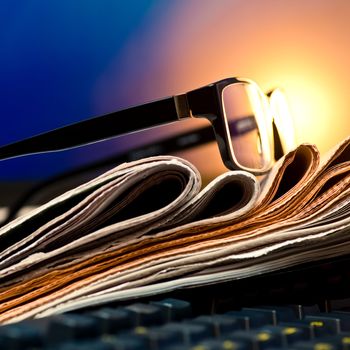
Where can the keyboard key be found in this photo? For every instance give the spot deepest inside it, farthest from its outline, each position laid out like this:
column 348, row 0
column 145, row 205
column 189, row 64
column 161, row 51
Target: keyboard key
column 344, row 340
column 111, row 321
column 127, row 342
column 323, row 325
column 289, row 334
column 250, row 319
column 317, row 345
column 20, row 336
column 257, row 339
column 221, row 345
column 92, row 345
column 174, row 309
column 156, row 337
column 67, row 327
column 219, row 324
column 302, row 310
column 190, row 332
column 341, row 341
column 146, row 314
column 343, row 319
column 269, row 314
column 301, row 325
column 278, row 313
column 160, row 338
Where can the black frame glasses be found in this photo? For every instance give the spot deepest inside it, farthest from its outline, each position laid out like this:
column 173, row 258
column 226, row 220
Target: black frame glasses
column 45, row 190
column 208, row 102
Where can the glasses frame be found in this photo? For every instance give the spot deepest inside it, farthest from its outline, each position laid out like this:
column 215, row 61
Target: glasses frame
column 182, row 141
column 224, row 136
column 205, row 102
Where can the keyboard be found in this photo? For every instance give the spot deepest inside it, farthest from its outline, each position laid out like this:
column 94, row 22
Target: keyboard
column 307, row 307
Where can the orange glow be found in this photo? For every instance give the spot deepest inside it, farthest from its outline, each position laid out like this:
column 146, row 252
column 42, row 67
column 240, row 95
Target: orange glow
column 302, row 47
column 283, row 119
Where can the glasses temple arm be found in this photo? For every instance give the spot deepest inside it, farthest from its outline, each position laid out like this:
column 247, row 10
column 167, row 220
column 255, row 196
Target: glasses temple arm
column 100, row 128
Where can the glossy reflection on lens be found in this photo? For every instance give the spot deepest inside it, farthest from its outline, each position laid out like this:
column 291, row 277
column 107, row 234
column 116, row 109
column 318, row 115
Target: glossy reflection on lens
column 243, row 108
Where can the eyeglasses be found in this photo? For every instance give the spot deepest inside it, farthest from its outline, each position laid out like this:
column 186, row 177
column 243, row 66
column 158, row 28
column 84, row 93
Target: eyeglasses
column 283, row 136
column 237, row 109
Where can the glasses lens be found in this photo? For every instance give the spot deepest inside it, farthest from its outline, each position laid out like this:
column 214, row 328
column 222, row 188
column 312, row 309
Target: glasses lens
column 283, row 119
column 247, row 117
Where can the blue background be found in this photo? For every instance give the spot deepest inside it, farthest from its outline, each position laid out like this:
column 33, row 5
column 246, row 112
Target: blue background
column 52, row 56
column 63, row 61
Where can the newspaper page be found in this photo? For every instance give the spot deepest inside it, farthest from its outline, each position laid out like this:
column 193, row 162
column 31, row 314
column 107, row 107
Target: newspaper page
column 235, row 227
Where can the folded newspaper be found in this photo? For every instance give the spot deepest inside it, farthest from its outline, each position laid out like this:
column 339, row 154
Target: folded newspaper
column 148, row 227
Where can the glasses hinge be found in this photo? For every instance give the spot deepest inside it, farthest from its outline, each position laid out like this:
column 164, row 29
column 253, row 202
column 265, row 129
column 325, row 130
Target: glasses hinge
column 182, row 108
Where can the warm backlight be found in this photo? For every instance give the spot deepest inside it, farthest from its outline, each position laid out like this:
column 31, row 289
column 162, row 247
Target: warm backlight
column 302, row 47
column 283, row 119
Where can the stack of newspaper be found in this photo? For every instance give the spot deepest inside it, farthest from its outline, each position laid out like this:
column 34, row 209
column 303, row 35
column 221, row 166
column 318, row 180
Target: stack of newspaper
column 148, row 227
